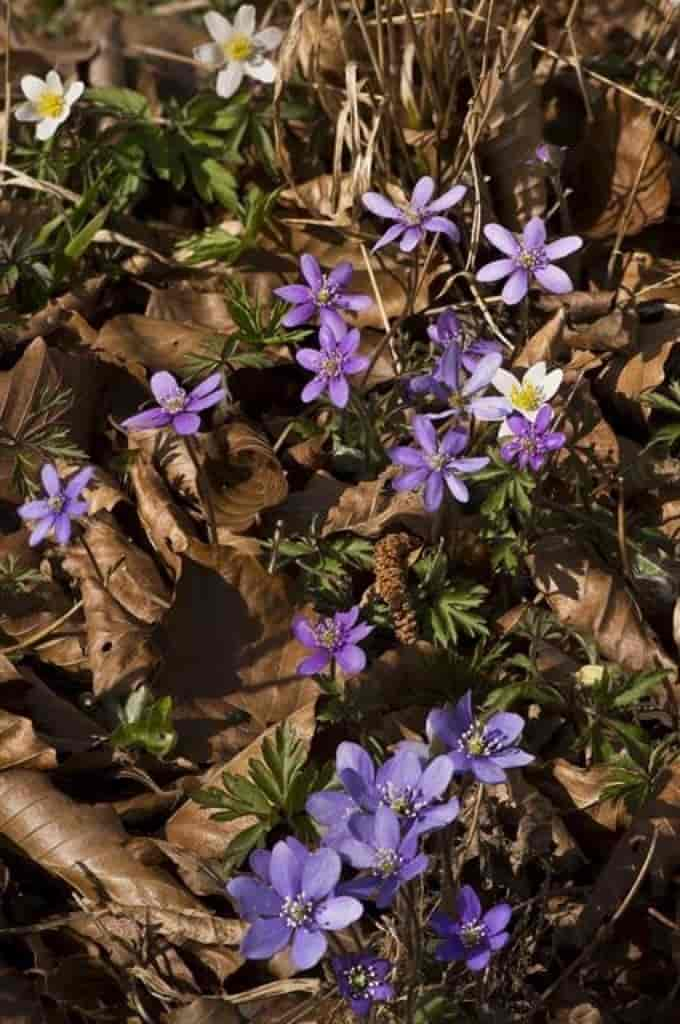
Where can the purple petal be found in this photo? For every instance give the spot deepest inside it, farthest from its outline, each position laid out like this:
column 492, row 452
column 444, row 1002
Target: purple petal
column 320, row 874
column 478, row 961
column 553, row 279
column 471, row 465
column 411, row 238
column 450, row 366
column 562, row 247
column 303, row 631
column 509, row 726
column 391, row 235
column 543, row 418
column 457, row 488
column 447, row 199
column 434, row 492
column 461, row 762
column 513, row 757
column 380, row 206
column 186, row 423
column 359, row 633
column 387, row 831
column 253, row 899
column 341, row 275
column 312, row 390
column 41, row 530
column 483, row 374
column 436, row 778
column 410, row 481
column 403, row 456
column 495, row 270
column 285, row 870
column 454, row 441
column 330, row 808
column 502, row 239
column 360, row 855
column 497, row 918
column 401, row 771
column 333, row 326
column 311, row 271
column 422, row 193
column 259, row 862
column 205, row 402
column 310, row 358
column 425, row 434
column 438, row 817
column 206, row 387
column 50, row 480
column 484, row 770
column 295, row 293
column 76, row 483
column 265, row 937
column 519, row 425
column 443, row 226
column 338, row 912
column 345, row 620
column 338, row 391
column 489, row 410
column 516, row 287
column 62, row 529
column 349, row 343
column 468, row 906
column 351, row 659
column 451, row 950
column 354, row 302
column 34, row 509
column 355, row 364
column 534, row 233
column 386, row 892
column 163, row 386
column 442, row 924
column 317, row 662
column 554, row 441
column 441, row 724
column 151, row 419
column 498, row 941
column 414, row 867
column 299, row 314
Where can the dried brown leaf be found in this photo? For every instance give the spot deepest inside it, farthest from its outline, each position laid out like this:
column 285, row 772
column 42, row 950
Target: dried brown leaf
column 182, row 303
column 584, row 788
column 626, row 378
column 372, row 506
column 205, row 1011
column 138, row 343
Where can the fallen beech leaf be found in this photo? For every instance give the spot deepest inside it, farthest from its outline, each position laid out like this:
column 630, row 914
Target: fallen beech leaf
column 192, row 827
column 612, row 150
column 205, row 1011
column 184, row 304
column 372, row 506
column 540, row 829
column 510, row 102
column 318, row 196
column 627, row 377
column 83, row 299
column 584, row 788
column 140, row 342
column 586, row 597
column 19, row 744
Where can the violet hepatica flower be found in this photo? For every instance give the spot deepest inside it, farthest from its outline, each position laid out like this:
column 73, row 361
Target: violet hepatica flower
column 532, row 442
column 527, row 396
column 176, row 408
column 415, row 218
column 447, row 330
column 435, row 463
column 294, row 903
column 377, row 843
column 333, row 639
column 61, row 504
column 334, row 361
column 527, row 259
column 484, row 748
column 321, row 291
column 361, row 980
column 474, row 936
column 464, row 395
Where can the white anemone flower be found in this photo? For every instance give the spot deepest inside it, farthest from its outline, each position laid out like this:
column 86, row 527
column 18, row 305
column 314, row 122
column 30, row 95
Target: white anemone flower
column 48, row 103
column 240, row 48
column 528, row 395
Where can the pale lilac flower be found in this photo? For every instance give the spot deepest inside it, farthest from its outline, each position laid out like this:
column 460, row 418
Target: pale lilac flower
column 527, row 259
column 176, row 408
column 332, row 639
column 532, row 442
column 484, row 748
column 548, row 157
column 62, row 504
column 292, row 900
column 435, row 463
column 419, row 215
column 410, row 786
column 321, row 291
column 448, row 330
column 378, row 845
column 334, row 361
column 361, row 980
column 527, row 396
column 474, row 936
column 240, row 48
column 48, row 103
column 464, row 395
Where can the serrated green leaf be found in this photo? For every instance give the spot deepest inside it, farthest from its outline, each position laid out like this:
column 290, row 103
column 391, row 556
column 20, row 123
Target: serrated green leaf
column 125, row 102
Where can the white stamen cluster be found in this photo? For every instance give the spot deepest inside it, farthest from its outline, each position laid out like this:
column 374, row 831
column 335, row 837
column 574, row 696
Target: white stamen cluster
column 361, row 980
column 386, row 862
column 296, row 911
column 401, row 801
column 174, row 402
column 472, row 934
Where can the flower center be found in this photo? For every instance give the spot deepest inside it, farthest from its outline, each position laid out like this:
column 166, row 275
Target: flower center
column 401, row 801
column 296, row 912
column 50, row 104
column 325, row 293
column 386, row 862
column 412, row 216
column 175, row 401
column 328, row 634
column 437, row 462
column 527, row 397
column 56, row 503
column 360, row 980
column 531, row 259
column 472, row 934
column 331, row 366
column 239, row 47
column 457, row 401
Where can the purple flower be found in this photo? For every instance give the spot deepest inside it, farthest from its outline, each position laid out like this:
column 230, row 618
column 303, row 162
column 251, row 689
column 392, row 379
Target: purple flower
column 61, row 505
column 527, row 259
column 419, row 215
column 292, row 900
column 361, row 980
column 448, row 329
column 332, row 639
column 464, row 397
column 376, row 843
column 434, row 464
column 532, row 442
column 485, row 749
column 405, row 783
column 334, row 362
column 322, row 291
column 548, row 157
column 473, row 937
column 176, row 408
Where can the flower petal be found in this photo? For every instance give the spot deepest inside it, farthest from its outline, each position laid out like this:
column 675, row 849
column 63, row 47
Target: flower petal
column 285, row 870
column 485, row 770
column 410, row 481
column 410, row 239
column 495, row 270
column 185, row 423
column 434, row 492
column 74, row 92
column 218, row 26
column 163, row 386
column 351, row 659
column 34, row 509
column 27, row 112
column 150, row 419
column 516, row 287
column 311, row 271
column 436, row 778
column 320, row 873
column 387, row 831
column 62, row 529
column 303, row 631
column 329, row 808
column 483, row 373
column 454, row 441
column 391, row 235
column 505, row 382
column 489, row 410
column 50, row 480
column 78, row 481
column 497, row 917
column 32, row 87
column 468, row 906
column 317, row 662
column 338, row 912
column 268, row 38
column 41, row 530
column 261, row 70
column 404, row 456
column 377, row 204
column 478, row 961
column 338, row 391
column 312, row 390
column 447, row 199
column 341, row 275
column 207, row 402
column 47, row 128
column 253, row 898
column 308, row 948
column 358, row 853
column 244, row 20
column 54, row 83
column 296, row 293
column 443, row 226
column 425, row 434
column 299, row 314
column 562, row 247
column 422, row 193
column 505, row 726
column 266, row 936
column 553, row 279
column 502, row 239
column 211, row 54
column 229, row 80
column 458, row 489
column 451, row 950
column 534, row 233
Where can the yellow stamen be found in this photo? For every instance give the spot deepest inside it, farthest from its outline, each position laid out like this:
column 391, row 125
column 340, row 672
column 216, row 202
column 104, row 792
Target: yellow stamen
column 50, row 104
column 239, row 47
column 527, row 398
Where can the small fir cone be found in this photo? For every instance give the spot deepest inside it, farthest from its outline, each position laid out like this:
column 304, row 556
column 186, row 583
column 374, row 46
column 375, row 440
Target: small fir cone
column 391, row 571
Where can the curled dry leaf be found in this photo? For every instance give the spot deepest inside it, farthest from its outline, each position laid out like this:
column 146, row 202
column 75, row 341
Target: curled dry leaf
column 182, row 303
column 19, row 743
column 510, row 104
column 584, row 788
column 370, row 507
column 123, row 596
column 587, row 597
column 612, row 152
column 627, row 378
column 82, row 299
column 192, row 827
column 138, row 343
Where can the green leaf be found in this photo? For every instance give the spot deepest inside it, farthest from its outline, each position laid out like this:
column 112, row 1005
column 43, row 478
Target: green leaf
column 79, row 244
column 241, row 845
column 125, row 102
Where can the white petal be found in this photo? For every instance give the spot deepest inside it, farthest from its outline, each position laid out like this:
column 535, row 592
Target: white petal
column 263, row 70
column 229, row 80
column 27, row 112
column 47, row 128
column 32, row 87
column 505, row 429
column 244, row 22
column 209, row 53
column 74, row 92
column 218, row 26
column 53, row 82
column 268, row 38
column 535, row 375
column 504, row 382
column 551, row 384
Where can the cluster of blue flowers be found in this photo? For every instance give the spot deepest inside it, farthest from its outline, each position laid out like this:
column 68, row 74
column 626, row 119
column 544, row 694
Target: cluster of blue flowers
column 375, row 826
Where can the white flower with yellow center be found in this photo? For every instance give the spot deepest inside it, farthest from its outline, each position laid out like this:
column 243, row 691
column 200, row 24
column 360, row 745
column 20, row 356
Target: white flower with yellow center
column 49, row 104
column 528, row 395
column 240, row 48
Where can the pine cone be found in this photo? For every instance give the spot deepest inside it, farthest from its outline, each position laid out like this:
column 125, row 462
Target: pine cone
column 391, row 572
